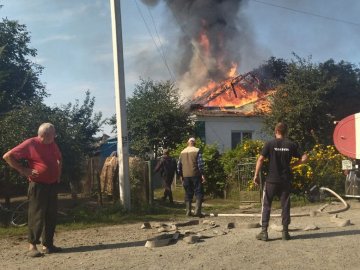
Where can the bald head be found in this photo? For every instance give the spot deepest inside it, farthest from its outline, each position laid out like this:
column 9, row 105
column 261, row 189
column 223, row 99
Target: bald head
column 191, row 142
column 46, row 133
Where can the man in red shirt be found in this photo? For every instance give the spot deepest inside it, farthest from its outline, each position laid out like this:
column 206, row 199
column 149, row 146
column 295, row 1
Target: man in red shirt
column 44, row 169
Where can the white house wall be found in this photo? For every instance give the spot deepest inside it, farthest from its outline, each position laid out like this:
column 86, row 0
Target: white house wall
column 218, row 129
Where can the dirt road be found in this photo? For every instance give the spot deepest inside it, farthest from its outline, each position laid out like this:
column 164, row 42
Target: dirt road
column 122, row 246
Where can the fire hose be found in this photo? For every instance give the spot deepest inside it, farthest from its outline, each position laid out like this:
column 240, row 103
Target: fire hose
column 320, row 210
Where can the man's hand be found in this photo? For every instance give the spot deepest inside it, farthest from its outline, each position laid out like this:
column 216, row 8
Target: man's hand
column 28, row 172
column 256, row 180
column 203, row 179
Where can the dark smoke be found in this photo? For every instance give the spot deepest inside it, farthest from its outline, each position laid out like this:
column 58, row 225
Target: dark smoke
column 226, row 31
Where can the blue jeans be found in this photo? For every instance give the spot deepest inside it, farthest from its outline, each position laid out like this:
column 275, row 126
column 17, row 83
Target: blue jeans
column 193, row 186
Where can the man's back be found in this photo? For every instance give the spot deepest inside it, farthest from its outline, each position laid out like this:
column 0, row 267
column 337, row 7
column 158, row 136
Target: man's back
column 280, row 153
column 188, row 159
column 168, row 166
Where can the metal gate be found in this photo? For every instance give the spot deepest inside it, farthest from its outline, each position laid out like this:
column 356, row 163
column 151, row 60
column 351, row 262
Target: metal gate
column 242, row 186
column 352, row 185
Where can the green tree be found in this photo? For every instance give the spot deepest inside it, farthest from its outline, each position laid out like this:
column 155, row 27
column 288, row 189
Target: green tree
column 76, row 125
column 19, row 76
column 156, row 118
column 344, row 97
column 271, row 73
column 22, row 109
column 301, row 102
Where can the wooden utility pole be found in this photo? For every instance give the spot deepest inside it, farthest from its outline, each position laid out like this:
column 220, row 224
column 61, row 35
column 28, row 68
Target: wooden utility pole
column 120, row 100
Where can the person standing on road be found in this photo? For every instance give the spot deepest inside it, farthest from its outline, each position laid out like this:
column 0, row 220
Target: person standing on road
column 167, row 168
column 279, row 151
column 191, row 172
column 44, row 169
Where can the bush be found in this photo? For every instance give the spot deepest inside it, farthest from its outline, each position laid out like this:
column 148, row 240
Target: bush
column 247, row 152
column 138, row 173
column 214, row 172
column 322, row 169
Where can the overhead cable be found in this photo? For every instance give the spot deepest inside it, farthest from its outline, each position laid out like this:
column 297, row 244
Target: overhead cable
column 152, row 37
column 307, row 13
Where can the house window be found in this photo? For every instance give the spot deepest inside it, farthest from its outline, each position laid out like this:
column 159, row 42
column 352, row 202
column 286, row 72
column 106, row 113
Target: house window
column 238, row 137
column 200, row 130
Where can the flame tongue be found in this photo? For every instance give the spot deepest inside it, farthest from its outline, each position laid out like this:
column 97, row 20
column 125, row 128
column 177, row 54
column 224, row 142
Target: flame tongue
column 232, row 92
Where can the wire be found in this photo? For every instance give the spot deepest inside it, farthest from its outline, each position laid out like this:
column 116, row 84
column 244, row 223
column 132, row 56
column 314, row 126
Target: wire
column 152, row 37
column 307, row 13
column 161, row 46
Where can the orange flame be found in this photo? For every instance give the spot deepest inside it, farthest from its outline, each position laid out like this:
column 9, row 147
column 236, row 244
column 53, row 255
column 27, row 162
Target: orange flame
column 233, row 70
column 204, row 89
column 234, row 92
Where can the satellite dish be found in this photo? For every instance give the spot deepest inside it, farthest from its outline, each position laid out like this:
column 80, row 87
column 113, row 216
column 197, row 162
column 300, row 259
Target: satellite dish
column 347, row 136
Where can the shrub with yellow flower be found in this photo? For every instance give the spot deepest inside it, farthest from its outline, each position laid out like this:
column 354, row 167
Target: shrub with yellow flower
column 322, row 169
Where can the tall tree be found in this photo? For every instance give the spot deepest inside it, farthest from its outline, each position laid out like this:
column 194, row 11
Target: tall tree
column 156, row 117
column 344, row 98
column 76, row 125
column 22, row 109
column 301, row 102
column 19, row 76
column 271, row 73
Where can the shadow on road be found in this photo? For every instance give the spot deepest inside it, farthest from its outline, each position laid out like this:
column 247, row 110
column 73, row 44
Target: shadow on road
column 325, row 234
column 103, row 247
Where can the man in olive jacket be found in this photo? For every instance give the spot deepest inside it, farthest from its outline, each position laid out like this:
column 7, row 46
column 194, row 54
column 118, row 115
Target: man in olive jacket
column 191, row 172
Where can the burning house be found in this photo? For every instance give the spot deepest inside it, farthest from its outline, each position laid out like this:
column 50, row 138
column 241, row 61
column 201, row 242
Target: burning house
column 230, row 112
column 215, row 38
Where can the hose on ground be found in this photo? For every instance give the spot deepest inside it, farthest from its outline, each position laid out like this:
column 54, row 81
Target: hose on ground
column 320, row 210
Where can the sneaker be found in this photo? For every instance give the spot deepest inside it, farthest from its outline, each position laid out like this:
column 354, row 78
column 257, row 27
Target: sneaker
column 263, row 236
column 286, row 235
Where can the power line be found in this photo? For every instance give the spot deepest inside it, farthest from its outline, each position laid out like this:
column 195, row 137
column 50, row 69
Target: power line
column 152, row 37
column 307, row 13
column 161, row 46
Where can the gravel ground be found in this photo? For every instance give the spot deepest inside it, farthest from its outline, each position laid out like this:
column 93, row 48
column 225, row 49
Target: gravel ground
column 123, row 246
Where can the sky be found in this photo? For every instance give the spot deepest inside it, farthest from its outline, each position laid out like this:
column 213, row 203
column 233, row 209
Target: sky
column 74, row 45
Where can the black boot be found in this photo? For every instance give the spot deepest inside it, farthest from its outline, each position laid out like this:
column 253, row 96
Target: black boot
column 163, row 198
column 171, row 197
column 198, row 208
column 285, row 233
column 263, row 235
column 188, row 208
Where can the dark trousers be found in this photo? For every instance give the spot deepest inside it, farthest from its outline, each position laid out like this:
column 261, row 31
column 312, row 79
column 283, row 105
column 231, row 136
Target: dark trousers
column 193, row 186
column 42, row 213
column 167, row 188
column 282, row 190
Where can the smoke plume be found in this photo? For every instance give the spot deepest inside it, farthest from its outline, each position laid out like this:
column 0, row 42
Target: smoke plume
column 212, row 38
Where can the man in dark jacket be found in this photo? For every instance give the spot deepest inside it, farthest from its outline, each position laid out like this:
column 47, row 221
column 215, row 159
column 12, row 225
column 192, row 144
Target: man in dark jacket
column 167, row 168
column 279, row 151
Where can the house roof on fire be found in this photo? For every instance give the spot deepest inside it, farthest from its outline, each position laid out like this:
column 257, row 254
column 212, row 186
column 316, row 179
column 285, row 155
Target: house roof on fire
column 237, row 96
